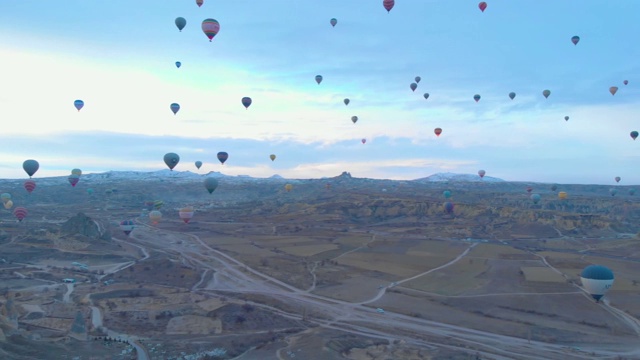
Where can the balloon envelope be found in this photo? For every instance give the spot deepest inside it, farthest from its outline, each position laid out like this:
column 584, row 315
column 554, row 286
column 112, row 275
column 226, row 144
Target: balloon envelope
column 413, row 86
column 566, row 118
column 178, row 64
column 210, row 184
column 546, row 93
column 634, row 134
column 617, row 179
column 318, row 79
column 426, row 96
column 222, row 157
column 210, row 27
column 562, row 195
column 535, row 198
column 78, row 104
column 448, row 207
column 288, row 187
column 127, row 226
column 30, row 166
column 198, row 164
column 246, row 101
column 29, row 185
column 613, row 90
column 346, row 101
column 596, row 280
column 388, row 4
column 437, row 131
column 171, row 159
column 354, row 119
column 73, row 179
column 512, row 95
column 155, row 216
column 20, row 213
column 180, row 23
column 199, row 2
column 575, row 40
column 447, row 194
column 482, row 6
column 333, row 21
column 417, row 79
column 626, row 82
column 481, row 173
column 272, row 157
column 363, row 141
column 476, row 97
column 76, row 172
column 186, row 213
column 175, row 107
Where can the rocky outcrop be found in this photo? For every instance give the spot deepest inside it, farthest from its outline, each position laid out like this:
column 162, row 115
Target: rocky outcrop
column 83, row 225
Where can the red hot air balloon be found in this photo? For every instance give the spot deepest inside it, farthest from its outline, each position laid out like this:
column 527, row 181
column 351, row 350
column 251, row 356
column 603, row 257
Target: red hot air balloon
column 437, row 131
column 529, row 189
column 246, row 101
column 73, row 179
column 30, row 185
column 20, row 213
column 388, row 4
column 210, row 27
column 482, row 6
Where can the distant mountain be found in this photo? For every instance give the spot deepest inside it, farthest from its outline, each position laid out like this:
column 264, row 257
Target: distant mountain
column 276, row 176
column 443, row 177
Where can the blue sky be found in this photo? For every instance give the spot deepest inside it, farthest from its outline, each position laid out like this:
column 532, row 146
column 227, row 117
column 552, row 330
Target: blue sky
column 118, row 57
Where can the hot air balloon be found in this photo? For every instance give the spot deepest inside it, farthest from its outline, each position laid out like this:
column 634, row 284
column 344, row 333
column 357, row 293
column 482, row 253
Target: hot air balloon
column 575, row 40
column 175, row 107
column 76, row 171
column 535, row 198
column 482, row 6
column 222, row 157
column 363, row 141
column 246, row 101
column 288, row 187
column 562, row 195
column 447, row 194
column 388, row 4
column 127, row 226
column 566, row 118
column 546, row 93
column 318, row 79
column 613, row 90
column 333, row 22
column 512, row 95
column 617, row 179
column 210, row 27
column 20, row 213
column 30, row 167
column 426, row 96
column 198, row 164
column 632, row 192
column 554, row 187
column 90, row 191
column 529, row 189
column 417, row 79
column 180, row 23
column 178, row 64
column 448, row 207
column 346, row 101
column 186, row 213
column 481, row 173
column 171, row 159
column 29, row 185
column 596, row 280
column 155, row 216
column 613, row 191
column 8, row 205
column 73, row 179
column 354, row 119
column 634, row 134
column 437, row 131
column 79, row 104
column 5, row 197
column 157, row 204
column 413, row 86
column 199, row 2
column 210, row 184
column 626, row 82
column 476, row 97
column 272, row 157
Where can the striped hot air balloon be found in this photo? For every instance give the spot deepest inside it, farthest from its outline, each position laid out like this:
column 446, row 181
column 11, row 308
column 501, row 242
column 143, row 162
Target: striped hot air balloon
column 127, row 226
column 29, row 185
column 20, row 213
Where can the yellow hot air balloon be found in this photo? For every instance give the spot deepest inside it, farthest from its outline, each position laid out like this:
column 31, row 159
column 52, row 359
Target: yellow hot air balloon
column 155, row 216
column 272, row 157
column 76, row 172
column 8, row 205
column 562, row 195
column 288, row 187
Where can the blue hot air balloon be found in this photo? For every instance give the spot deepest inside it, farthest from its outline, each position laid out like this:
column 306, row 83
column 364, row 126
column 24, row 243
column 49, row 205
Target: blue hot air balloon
column 597, row 280
column 178, row 64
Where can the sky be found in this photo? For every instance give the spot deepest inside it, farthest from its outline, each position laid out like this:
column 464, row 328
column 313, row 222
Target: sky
column 119, row 57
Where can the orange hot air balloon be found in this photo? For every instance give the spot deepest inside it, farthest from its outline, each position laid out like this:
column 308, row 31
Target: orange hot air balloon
column 288, row 187
column 437, row 131
column 562, row 195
